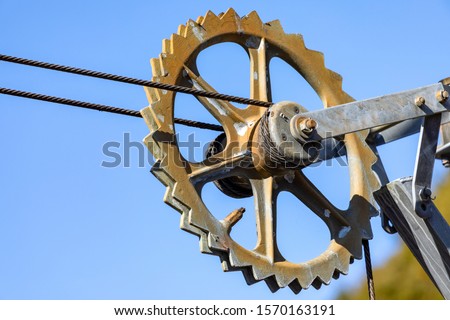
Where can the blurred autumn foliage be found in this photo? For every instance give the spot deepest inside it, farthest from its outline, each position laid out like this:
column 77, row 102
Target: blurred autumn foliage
column 401, row 277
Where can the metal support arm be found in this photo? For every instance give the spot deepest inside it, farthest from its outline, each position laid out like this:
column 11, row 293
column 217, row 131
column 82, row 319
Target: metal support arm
column 381, row 111
column 428, row 239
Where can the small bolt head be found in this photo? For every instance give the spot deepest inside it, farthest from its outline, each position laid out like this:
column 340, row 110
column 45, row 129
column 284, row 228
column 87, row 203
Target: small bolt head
column 420, row 101
column 442, row 95
column 283, row 137
column 425, row 194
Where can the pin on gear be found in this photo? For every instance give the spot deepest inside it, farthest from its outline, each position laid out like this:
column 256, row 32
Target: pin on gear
column 247, row 129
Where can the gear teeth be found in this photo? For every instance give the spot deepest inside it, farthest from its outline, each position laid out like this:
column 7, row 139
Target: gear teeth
column 161, row 131
column 210, row 20
column 295, row 287
column 197, row 30
column 230, row 15
column 153, row 146
column 177, row 43
column 276, row 25
column 298, row 39
column 336, row 274
column 261, row 274
column 200, row 19
column 166, row 46
column 154, row 121
column 328, row 269
column 151, row 120
column 343, row 263
column 317, row 283
column 164, row 72
column 184, row 225
column 234, row 261
column 169, row 182
column 318, row 56
column 181, row 30
column 336, row 77
column 246, row 271
column 178, row 193
column 203, row 244
column 227, row 267
column 157, row 69
column 272, row 284
column 284, row 281
column 216, row 243
column 153, row 95
column 253, row 17
column 248, row 276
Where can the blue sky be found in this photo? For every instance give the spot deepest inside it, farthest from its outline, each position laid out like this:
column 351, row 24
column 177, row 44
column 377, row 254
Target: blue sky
column 72, row 229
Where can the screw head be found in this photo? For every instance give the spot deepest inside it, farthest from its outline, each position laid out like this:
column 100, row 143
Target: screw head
column 420, row 101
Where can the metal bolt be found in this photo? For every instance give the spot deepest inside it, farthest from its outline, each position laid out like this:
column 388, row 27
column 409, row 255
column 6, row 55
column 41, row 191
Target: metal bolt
column 296, row 110
column 420, row 101
column 446, row 163
column 442, row 95
column 425, row 194
column 283, row 137
column 308, row 125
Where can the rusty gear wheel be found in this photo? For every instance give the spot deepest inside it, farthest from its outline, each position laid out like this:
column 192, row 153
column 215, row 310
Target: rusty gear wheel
column 184, row 180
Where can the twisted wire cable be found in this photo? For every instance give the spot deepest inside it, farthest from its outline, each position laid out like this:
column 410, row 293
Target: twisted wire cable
column 145, row 83
column 101, row 107
column 370, row 283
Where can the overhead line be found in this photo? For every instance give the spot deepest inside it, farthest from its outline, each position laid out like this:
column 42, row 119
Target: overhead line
column 145, row 83
column 101, row 107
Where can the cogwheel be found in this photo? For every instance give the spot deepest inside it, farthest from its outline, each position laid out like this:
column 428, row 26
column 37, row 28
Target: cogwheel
column 184, row 180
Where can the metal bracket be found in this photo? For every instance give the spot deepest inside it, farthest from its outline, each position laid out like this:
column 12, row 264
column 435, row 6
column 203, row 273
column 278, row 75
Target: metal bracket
column 423, row 171
column 428, row 239
column 443, row 151
column 407, row 204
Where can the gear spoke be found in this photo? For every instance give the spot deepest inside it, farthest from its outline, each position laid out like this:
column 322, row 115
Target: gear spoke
column 302, row 188
column 218, row 167
column 259, row 73
column 266, row 218
column 222, row 110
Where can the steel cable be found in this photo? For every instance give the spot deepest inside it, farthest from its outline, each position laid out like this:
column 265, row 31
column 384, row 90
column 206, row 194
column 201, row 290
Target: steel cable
column 370, row 283
column 145, row 83
column 101, row 107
